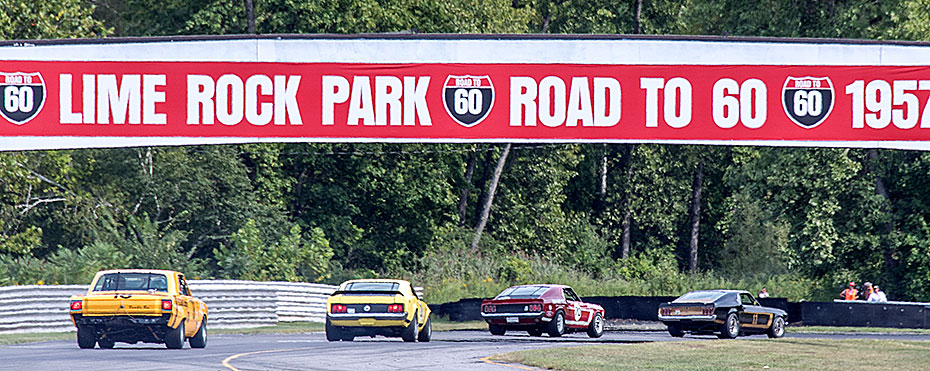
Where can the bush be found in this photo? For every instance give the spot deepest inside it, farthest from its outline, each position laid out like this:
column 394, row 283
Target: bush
column 515, row 270
column 293, row 258
column 80, row 266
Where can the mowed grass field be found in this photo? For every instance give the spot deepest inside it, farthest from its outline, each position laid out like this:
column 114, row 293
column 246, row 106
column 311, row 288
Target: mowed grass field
column 742, row 354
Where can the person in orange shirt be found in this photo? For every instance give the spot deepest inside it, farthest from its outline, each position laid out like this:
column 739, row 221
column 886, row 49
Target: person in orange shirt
column 850, row 293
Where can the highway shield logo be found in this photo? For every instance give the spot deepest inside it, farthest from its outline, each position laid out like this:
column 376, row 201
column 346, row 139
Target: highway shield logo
column 808, row 100
column 23, row 95
column 468, row 99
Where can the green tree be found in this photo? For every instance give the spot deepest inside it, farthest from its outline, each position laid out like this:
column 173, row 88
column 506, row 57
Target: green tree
column 855, row 19
column 149, row 17
column 48, row 19
column 293, row 258
column 380, row 204
column 362, row 16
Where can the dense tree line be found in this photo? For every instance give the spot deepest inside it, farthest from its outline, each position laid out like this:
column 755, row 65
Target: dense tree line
column 327, row 211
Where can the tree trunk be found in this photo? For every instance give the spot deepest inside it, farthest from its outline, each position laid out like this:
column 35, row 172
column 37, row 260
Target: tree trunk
column 486, row 208
column 250, row 16
column 625, row 234
column 891, row 262
column 601, row 202
column 637, row 29
column 466, row 188
column 603, row 190
column 696, row 189
column 482, row 182
column 627, row 166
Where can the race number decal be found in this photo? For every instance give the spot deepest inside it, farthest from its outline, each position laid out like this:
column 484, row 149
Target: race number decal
column 807, row 100
column 23, row 96
column 468, row 99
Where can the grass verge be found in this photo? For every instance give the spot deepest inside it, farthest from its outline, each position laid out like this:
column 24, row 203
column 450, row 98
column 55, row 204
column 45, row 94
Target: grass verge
column 789, row 354
column 442, row 324
column 10, row 339
column 281, row 328
column 854, row 330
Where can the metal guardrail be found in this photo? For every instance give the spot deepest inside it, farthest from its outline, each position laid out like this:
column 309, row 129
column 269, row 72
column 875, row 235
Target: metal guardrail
column 34, row 308
column 231, row 303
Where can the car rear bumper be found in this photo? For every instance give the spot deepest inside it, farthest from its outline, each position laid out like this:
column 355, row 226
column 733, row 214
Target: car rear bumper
column 698, row 327
column 709, row 318
column 521, row 314
column 121, row 320
column 128, row 329
column 515, row 319
column 368, row 319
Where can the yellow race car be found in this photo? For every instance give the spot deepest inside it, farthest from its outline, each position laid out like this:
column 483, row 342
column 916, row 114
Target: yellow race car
column 139, row 305
column 373, row 307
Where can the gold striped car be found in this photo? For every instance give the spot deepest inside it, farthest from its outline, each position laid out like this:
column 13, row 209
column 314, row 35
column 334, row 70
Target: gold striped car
column 727, row 313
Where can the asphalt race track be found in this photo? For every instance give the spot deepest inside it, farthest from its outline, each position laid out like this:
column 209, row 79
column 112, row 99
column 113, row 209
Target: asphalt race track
column 450, row 350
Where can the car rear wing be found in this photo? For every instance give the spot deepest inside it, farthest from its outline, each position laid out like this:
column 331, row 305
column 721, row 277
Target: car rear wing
column 366, row 292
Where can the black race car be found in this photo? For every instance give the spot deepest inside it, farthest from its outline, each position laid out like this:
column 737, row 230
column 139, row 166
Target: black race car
column 727, row 313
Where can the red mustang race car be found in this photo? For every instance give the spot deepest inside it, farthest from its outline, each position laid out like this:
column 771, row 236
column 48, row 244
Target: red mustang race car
column 554, row 309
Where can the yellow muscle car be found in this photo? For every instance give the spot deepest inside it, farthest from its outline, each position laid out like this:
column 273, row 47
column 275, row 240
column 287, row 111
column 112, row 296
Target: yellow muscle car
column 139, row 305
column 377, row 307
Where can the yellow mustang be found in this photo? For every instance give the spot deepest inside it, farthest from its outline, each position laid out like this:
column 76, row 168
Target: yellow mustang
column 133, row 305
column 377, row 307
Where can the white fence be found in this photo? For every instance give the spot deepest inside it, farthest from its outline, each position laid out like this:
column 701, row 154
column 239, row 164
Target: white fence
column 231, row 304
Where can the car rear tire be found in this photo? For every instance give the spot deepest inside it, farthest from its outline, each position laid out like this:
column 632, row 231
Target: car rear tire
column 409, row 333
column 596, row 327
column 535, row 332
column 557, row 326
column 332, row 333
column 730, row 329
column 85, row 337
column 675, row 331
column 777, row 329
column 427, row 332
column 174, row 339
column 200, row 338
column 497, row 329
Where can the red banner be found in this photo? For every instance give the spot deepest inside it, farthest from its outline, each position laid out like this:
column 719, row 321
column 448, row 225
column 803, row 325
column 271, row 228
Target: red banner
column 437, row 102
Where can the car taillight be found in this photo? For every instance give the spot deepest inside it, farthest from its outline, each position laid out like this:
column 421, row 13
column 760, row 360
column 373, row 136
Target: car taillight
column 339, row 308
column 77, row 305
column 166, row 305
column 707, row 310
column 396, row 308
column 534, row 308
column 490, row 308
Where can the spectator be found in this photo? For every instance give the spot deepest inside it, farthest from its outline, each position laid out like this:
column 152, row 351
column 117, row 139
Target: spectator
column 878, row 295
column 763, row 294
column 867, row 290
column 850, row 293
